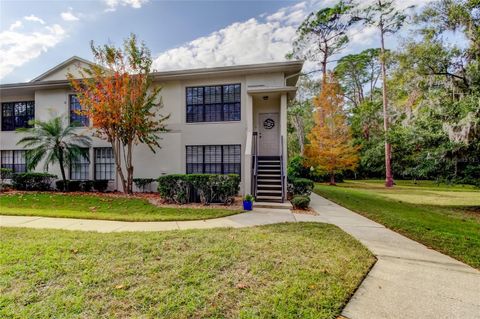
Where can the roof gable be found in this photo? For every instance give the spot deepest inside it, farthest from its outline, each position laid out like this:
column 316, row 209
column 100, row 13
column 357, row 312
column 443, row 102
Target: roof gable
column 60, row 71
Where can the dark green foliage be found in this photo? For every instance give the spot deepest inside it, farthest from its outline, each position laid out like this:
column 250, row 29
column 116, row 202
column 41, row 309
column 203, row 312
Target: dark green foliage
column 5, row 173
column 300, row 186
column 100, row 185
column 75, row 186
column 141, row 183
column 174, row 188
column 300, row 202
column 31, row 181
column 210, row 188
column 297, row 168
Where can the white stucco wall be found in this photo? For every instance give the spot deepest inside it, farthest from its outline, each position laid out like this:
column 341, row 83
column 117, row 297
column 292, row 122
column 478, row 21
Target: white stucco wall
column 171, row 157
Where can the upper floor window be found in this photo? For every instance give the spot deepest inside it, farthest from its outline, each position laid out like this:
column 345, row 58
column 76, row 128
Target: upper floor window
column 14, row 160
column 75, row 118
column 104, row 163
column 213, row 103
column 17, row 115
column 79, row 167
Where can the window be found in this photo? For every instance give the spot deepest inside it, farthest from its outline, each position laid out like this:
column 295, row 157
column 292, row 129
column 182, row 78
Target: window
column 17, row 115
column 213, row 103
column 104, row 163
column 75, row 118
column 213, row 159
column 14, row 160
column 79, row 168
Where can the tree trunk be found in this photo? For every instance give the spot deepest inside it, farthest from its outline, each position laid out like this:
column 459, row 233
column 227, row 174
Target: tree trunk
column 118, row 162
column 129, row 168
column 388, row 147
column 332, row 179
column 62, row 169
column 298, row 123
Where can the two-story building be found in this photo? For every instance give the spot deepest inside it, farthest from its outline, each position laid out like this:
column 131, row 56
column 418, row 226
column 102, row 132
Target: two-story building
column 222, row 120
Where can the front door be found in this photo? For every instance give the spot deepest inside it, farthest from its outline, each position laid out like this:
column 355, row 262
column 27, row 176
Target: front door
column 269, row 134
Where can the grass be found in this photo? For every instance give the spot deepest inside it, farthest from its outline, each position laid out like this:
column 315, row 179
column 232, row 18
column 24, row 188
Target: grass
column 301, row 270
column 100, row 207
column 445, row 218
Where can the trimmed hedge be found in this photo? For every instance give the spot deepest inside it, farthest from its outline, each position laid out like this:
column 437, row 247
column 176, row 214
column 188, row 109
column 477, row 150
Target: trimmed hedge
column 82, row 186
column 300, row 202
column 31, row 181
column 300, row 186
column 142, row 182
column 100, row 185
column 210, row 188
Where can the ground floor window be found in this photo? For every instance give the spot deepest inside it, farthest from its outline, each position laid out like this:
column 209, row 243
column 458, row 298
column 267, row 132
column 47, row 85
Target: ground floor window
column 79, row 168
column 14, row 160
column 214, row 159
column 104, row 163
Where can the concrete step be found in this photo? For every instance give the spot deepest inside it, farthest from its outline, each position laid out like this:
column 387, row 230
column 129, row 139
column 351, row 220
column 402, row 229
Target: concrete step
column 269, row 176
column 271, row 186
column 265, row 198
column 272, row 205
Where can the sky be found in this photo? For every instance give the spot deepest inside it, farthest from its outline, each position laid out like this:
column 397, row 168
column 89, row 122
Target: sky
column 37, row 35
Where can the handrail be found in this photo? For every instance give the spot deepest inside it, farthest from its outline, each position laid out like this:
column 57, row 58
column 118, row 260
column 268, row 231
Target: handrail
column 255, row 163
column 282, row 170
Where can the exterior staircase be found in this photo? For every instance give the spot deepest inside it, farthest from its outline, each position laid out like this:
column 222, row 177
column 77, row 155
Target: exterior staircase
column 269, row 179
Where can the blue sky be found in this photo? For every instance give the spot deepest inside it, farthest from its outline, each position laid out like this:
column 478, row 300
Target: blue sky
column 37, row 35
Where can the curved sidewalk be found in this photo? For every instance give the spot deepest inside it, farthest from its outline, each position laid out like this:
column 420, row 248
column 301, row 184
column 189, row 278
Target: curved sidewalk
column 257, row 217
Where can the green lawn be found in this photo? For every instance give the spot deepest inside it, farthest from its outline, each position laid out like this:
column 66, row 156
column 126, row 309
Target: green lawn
column 301, row 270
column 100, row 207
column 445, row 218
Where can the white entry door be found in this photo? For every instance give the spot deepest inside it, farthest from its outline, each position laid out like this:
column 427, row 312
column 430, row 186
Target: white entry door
column 269, row 134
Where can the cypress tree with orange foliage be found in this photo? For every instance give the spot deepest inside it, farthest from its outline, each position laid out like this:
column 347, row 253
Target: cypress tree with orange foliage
column 330, row 145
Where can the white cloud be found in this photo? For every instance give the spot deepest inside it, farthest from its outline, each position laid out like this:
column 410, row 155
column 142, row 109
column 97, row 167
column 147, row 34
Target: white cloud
column 266, row 38
column 17, row 24
column 20, row 47
column 34, row 18
column 69, row 16
column 113, row 4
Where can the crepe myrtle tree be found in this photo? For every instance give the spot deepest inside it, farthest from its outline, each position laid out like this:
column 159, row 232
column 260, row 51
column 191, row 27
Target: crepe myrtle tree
column 118, row 94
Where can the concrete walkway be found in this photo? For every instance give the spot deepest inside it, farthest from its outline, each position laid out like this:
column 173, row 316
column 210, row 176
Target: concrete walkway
column 257, row 217
column 409, row 280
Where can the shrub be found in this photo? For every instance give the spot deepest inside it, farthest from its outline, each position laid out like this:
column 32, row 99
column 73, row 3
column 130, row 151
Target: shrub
column 300, row 186
column 100, row 185
column 5, row 173
column 300, row 202
column 209, row 187
column 86, row 186
column 142, row 182
column 75, row 186
column 32, row 181
column 70, row 186
column 297, row 168
column 174, row 188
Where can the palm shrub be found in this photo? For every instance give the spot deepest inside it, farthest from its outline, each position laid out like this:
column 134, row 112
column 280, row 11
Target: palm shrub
column 54, row 142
